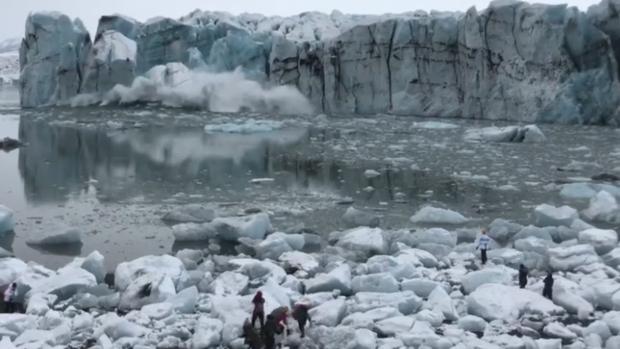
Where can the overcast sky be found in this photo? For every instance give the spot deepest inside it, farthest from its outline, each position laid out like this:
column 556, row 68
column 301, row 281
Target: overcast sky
column 14, row 12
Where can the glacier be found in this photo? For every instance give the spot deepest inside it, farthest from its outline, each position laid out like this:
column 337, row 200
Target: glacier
column 511, row 61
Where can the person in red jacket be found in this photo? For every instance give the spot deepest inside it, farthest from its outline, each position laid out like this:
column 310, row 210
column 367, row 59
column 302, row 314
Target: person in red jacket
column 259, row 309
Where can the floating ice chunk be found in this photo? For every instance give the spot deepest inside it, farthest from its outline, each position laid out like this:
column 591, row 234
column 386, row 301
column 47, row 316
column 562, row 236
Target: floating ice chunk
column 157, row 311
column 299, row 260
column 261, row 180
column 191, row 213
column 577, row 191
column 472, row 323
column 558, row 330
column 93, row 263
column 278, row 243
column 421, row 287
column 115, row 327
column 422, row 334
column 184, row 302
column 370, row 173
column 599, row 328
column 568, row 298
column 364, row 240
column 170, row 266
column 397, row 267
column 602, row 240
column 358, row 320
column 208, row 333
column 329, row 313
column 502, row 230
column 7, row 222
column 256, row 269
column 549, row 343
column 526, row 134
column 434, row 318
column 501, row 302
column 10, row 270
column 64, row 237
column 66, row 282
column 506, row 256
column 147, row 289
column 247, row 126
column 365, row 339
column 356, row 218
column 229, row 283
column 612, row 319
column 391, row 327
column 424, row 257
column 434, row 215
column 569, row 258
column 613, row 258
column 337, row 279
column 603, row 207
column 434, row 125
column 601, row 293
column 35, row 339
column 193, row 232
column 406, row 302
column 232, row 311
column 381, row 282
column 547, row 215
column 6, row 343
column 440, row 301
column 533, row 134
column 490, row 275
column 233, row 228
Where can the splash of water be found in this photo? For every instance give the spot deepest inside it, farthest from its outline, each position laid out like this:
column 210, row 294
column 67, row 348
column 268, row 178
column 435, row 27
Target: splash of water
column 175, row 85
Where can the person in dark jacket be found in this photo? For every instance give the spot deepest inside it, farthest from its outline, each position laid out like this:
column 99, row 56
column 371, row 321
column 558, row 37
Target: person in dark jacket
column 548, row 289
column 251, row 336
column 9, row 298
column 523, row 271
column 300, row 313
column 259, row 309
column 269, row 332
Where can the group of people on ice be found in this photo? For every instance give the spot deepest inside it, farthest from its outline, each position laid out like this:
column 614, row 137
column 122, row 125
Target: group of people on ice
column 273, row 329
column 483, row 246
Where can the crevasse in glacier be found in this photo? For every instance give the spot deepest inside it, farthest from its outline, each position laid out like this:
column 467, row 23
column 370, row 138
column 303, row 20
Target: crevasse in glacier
column 512, row 61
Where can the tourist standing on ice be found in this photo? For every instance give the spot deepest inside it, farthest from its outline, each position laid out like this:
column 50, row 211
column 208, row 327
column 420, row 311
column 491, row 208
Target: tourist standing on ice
column 483, row 244
column 523, row 271
column 300, row 313
column 9, row 298
column 259, row 309
column 269, row 332
column 548, row 289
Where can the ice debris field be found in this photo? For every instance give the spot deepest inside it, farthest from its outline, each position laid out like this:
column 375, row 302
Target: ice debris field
column 368, row 288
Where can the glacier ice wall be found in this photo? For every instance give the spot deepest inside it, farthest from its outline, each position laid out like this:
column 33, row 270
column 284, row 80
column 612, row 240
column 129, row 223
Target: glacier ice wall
column 512, row 61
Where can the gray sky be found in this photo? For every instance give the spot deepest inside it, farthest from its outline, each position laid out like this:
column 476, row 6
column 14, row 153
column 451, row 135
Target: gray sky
column 14, row 12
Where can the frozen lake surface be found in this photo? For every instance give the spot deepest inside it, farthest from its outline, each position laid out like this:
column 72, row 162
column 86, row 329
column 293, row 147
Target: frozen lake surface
column 113, row 173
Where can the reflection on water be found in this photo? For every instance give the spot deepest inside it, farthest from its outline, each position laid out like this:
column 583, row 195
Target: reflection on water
column 61, row 159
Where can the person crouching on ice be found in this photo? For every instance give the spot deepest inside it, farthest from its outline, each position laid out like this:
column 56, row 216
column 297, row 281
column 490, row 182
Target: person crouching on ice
column 259, row 309
column 280, row 316
column 483, row 245
column 300, row 313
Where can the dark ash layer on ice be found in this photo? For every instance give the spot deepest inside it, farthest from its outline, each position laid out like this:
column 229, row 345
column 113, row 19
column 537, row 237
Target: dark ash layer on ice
column 368, row 288
column 512, row 61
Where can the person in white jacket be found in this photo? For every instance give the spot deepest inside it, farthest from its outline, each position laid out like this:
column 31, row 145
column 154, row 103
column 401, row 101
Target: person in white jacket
column 9, row 298
column 483, row 245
